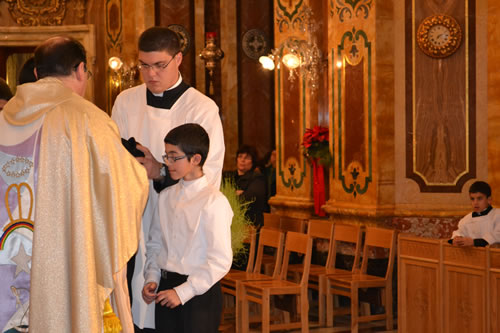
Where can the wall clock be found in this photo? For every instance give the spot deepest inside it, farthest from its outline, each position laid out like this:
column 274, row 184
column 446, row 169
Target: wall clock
column 439, row 36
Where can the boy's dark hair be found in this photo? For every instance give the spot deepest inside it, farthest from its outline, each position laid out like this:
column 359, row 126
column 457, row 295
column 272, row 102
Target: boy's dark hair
column 249, row 150
column 160, row 39
column 191, row 139
column 481, row 187
column 26, row 73
column 59, row 56
column 5, row 92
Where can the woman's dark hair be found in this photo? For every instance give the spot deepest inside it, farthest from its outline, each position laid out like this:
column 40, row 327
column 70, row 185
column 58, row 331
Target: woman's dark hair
column 249, row 150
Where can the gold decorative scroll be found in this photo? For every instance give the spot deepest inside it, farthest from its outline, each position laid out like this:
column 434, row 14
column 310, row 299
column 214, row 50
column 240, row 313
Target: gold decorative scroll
column 37, row 12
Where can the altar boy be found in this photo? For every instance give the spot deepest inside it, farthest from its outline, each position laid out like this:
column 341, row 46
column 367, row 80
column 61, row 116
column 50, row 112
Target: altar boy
column 482, row 226
column 189, row 246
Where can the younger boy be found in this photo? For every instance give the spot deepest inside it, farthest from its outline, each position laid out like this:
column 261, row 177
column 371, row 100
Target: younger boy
column 482, row 226
column 189, row 246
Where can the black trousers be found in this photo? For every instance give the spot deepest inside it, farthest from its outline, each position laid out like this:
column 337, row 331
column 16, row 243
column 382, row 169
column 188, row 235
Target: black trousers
column 201, row 314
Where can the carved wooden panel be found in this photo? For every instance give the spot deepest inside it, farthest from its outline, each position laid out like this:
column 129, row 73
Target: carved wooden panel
column 464, row 299
column 440, row 102
column 470, row 257
column 419, row 287
column 494, row 300
column 420, row 290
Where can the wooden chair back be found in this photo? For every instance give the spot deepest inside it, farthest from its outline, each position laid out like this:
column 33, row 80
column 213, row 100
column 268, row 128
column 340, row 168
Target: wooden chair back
column 379, row 238
column 251, row 240
column 292, row 224
column 272, row 220
column 346, row 233
column 322, row 229
column 271, row 238
column 302, row 244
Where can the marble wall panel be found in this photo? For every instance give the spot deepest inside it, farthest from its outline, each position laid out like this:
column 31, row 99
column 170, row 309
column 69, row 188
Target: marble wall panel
column 180, row 13
column 256, row 85
column 441, row 103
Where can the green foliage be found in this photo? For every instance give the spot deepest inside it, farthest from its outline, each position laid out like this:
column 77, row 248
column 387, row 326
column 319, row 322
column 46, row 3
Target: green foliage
column 240, row 223
column 321, row 152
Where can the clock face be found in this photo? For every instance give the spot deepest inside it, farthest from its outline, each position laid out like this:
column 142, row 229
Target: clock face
column 439, row 35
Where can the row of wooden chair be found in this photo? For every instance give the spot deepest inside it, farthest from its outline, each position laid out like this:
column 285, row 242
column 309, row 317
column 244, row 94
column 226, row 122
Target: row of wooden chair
column 326, row 279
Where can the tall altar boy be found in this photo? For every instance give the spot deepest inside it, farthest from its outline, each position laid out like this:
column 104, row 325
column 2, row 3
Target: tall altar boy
column 147, row 112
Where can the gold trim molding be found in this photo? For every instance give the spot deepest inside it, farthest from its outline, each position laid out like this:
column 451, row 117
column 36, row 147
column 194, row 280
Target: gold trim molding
column 37, row 12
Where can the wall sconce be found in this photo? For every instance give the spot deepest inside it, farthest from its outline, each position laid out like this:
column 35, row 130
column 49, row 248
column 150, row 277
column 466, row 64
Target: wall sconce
column 298, row 55
column 122, row 76
column 211, row 54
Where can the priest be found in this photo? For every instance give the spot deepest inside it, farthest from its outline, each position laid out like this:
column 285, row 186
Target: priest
column 74, row 198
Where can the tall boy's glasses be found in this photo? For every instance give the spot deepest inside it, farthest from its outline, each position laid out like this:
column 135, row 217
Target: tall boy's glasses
column 158, row 67
column 172, row 158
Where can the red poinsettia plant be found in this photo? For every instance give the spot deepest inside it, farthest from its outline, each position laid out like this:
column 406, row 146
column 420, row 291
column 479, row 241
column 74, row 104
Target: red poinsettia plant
column 316, row 147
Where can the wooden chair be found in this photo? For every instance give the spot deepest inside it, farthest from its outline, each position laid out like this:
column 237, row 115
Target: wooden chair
column 288, row 223
column 272, row 220
column 285, row 224
column 250, row 241
column 322, row 230
column 349, row 284
column 261, row 291
column 229, row 284
column 343, row 234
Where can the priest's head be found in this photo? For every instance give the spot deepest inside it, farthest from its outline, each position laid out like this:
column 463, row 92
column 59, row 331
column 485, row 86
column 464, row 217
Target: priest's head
column 64, row 58
column 159, row 58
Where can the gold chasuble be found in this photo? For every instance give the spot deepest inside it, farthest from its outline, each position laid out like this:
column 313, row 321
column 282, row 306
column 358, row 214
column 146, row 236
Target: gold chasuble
column 89, row 198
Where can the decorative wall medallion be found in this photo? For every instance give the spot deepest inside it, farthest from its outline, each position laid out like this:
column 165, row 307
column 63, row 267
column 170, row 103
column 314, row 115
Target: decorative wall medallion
column 78, row 6
column 37, row 12
column 439, row 36
column 289, row 14
column 184, row 37
column 360, row 8
column 355, row 159
column 114, row 22
column 255, row 44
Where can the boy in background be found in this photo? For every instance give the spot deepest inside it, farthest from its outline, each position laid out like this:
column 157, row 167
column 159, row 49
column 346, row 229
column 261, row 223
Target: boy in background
column 482, row 226
column 189, row 246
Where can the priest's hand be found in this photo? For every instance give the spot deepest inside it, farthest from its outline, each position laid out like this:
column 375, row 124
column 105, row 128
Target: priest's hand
column 153, row 167
column 168, row 298
column 149, row 292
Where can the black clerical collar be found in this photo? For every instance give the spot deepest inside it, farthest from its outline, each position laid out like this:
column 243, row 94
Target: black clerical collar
column 484, row 212
column 169, row 97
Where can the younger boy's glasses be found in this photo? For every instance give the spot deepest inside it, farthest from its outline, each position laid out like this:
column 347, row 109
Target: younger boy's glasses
column 172, row 158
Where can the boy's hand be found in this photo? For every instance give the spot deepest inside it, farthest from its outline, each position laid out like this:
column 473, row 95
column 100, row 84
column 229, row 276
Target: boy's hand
column 152, row 166
column 168, row 298
column 148, row 292
column 463, row 241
